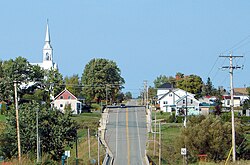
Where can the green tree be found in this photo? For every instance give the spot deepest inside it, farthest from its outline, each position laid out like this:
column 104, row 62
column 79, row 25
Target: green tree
column 17, row 70
column 160, row 80
column 246, row 103
column 128, row 95
column 101, row 77
column 191, row 83
column 53, row 82
column 152, row 92
column 56, row 131
column 212, row 136
column 208, row 89
column 73, row 85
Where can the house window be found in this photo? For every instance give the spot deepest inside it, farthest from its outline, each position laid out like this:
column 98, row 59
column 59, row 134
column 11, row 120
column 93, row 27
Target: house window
column 228, row 102
column 61, row 97
column 191, row 101
column 69, row 97
column 183, row 101
column 61, row 105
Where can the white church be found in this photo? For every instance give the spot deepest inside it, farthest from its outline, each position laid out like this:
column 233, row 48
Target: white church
column 47, row 63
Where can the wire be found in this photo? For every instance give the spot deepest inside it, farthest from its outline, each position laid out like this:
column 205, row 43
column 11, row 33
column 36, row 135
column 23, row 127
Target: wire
column 231, row 49
column 212, row 67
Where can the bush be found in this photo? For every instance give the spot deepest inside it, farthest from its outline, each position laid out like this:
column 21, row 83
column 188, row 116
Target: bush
column 211, row 135
column 95, row 107
column 171, row 118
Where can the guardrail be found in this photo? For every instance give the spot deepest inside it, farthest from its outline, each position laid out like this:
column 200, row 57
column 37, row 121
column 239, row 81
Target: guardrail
column 109, row 158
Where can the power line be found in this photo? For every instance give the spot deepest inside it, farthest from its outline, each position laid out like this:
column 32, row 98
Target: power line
column 230, row 49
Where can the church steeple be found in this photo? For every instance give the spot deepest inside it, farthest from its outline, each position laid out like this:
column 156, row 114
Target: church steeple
column 47, row 48
column 47, row 37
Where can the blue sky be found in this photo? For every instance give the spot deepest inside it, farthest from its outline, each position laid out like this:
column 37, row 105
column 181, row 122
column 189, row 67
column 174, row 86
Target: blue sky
column 146, row 38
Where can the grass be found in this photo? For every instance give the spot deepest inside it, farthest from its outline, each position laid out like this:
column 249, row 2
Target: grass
column 85, row 121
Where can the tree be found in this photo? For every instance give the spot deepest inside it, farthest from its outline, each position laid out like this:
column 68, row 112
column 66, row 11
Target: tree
column 128, row 95
column 160, row 80
column 17, row 70
column 208, row 89
column 246, row 103
column 101, row 78
column 56, row 131
column 152, row 92
column 73, row 85
column 53, row 82
column 212, row 136
column 191, row 83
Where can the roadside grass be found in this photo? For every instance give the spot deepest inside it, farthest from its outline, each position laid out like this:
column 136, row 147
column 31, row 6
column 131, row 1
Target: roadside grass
column 85, row 121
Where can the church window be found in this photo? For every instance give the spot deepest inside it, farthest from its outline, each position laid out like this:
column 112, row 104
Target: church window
column 61, row 105
column 47, row 56
column 69, row 97
column 61, row 97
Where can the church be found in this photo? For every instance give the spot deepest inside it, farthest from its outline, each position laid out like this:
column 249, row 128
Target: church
column 47, row 63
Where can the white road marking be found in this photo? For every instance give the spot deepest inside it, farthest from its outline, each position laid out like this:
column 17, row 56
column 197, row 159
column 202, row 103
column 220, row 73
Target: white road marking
column 139, row 139
column 116, row 142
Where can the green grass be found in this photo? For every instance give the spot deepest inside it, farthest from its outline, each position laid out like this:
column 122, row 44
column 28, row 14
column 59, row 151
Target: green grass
column 85, row 121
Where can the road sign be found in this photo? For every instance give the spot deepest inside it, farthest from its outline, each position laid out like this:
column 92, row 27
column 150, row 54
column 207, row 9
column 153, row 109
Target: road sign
column 67, row 153
column 183, row 151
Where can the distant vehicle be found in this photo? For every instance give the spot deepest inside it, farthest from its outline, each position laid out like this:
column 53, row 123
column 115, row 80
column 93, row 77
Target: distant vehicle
column 123, row 106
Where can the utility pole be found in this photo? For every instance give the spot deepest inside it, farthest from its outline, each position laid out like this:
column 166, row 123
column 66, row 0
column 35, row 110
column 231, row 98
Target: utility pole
column 98, row 141
column 159, row 143
column 155, row 133
column 146, row 93
column 17, row 123
column 231, row 68
column 106, row 94
column 37, row 139
column 89, row 143
column 76, row 149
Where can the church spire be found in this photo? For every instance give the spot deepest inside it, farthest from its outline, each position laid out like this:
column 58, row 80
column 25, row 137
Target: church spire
column 47, row 37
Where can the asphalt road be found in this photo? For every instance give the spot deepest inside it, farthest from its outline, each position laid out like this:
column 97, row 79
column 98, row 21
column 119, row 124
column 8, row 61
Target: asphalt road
column 126, row 135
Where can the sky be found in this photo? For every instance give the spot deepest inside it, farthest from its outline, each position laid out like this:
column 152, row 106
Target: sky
column 146, row 38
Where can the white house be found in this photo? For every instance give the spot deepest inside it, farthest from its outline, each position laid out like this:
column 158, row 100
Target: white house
column 187, row 102
column 67, row 98
column 226, row 102
column 169, row 98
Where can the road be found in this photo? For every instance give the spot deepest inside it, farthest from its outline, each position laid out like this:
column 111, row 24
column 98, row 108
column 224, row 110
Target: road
column 126, row 135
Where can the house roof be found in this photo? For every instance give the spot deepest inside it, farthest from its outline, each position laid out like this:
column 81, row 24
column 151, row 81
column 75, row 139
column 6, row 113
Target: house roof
column 240, row 91
column 180, row 99
column 65, row 90
column 229, row 97
column 173, row 91
column 165, row 86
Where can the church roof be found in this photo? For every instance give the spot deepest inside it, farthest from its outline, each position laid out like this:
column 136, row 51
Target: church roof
column 47, row 37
